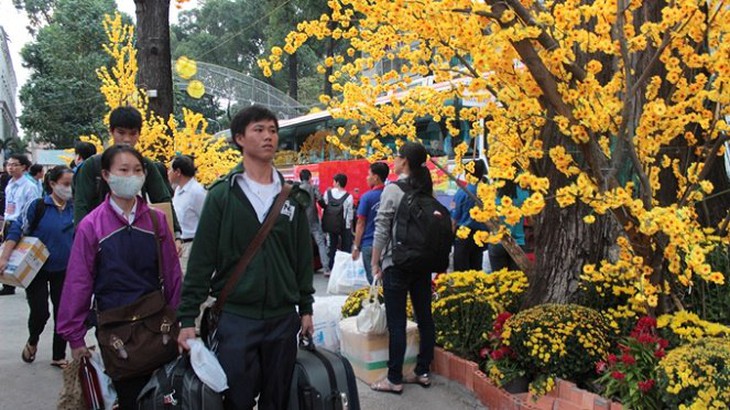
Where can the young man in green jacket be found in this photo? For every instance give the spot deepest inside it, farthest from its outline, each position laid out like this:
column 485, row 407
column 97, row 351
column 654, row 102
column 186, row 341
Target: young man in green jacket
column 257, row 331
column 125, row 125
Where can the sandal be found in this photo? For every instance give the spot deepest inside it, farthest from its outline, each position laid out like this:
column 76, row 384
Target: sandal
column 61, row 364
column 423, row 380
column 29, row 352
column 384, row 385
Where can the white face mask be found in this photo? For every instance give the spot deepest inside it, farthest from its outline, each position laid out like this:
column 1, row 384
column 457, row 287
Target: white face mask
column 62, row 191
column 126, row 187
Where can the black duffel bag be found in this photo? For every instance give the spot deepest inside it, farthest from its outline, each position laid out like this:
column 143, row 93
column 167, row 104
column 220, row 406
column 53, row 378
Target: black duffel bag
column 176, row 386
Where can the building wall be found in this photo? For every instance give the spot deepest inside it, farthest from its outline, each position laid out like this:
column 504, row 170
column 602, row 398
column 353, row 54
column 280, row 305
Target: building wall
column 8, row 90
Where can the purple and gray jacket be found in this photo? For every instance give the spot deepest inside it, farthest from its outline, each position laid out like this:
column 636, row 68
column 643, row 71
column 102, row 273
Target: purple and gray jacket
column 116, row 263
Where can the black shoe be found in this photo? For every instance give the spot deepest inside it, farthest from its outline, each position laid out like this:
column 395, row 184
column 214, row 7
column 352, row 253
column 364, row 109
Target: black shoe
column 7, row 290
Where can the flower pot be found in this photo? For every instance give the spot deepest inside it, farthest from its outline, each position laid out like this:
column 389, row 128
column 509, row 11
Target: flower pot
column 517, row 385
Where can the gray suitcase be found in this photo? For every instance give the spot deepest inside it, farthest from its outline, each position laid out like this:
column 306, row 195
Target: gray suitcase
column 322, row 380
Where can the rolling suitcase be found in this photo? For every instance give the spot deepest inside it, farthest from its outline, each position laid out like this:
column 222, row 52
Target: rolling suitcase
column 322, row 380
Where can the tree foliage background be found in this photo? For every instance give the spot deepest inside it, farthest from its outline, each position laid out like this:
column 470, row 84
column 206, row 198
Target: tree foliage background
column 60, row 100
column 613, row 113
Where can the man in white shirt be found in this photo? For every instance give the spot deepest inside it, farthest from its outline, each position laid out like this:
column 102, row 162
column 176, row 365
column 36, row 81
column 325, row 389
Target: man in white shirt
column 19, row 192
column 337, row 217
column 187, row 201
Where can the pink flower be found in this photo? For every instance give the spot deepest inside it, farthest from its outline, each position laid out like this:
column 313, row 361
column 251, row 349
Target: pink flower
column 601, row 367
column 483, row 352
column 618, row 375
column 645, row 386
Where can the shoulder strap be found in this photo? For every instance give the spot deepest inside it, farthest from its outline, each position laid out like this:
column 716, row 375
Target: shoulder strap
column 156, row 227
column 252, row 248
column 40, row 210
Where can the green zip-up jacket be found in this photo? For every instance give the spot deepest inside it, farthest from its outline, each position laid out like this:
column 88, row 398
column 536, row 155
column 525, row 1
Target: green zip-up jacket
column 278, row 279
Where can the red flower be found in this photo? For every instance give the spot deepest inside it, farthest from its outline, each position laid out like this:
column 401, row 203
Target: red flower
column 618, row 375
column 612, row 359
column 663, row 343
column 645, row 386
column 646, row 338
column 497, row 354
column 659, row 353
column 628, row 359
column 601, row 367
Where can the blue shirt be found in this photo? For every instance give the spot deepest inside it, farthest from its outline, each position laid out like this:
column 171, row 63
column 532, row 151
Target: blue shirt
column 55, row 230
column 368, row 209
column 463, row 203
column 517, row 231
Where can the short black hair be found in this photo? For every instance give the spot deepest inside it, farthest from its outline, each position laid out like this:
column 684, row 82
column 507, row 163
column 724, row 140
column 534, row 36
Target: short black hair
column 480, row 168
column 35, row 169
column 85, row 150
column 22, row 158
column 107, row 158
column 125, row 117
column 185, row 164
column 341, row 180
column 247, row 116
column 380, row 169
column 54, row 174
column 305, row 175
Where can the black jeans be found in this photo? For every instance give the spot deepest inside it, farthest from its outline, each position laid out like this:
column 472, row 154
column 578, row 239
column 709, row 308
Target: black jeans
column 258, row 358
column 6, row 228
column 339, row 241
column 499, row 258
column 37, row 295
column 396, row 286
column 128, row 390
column 467, row 255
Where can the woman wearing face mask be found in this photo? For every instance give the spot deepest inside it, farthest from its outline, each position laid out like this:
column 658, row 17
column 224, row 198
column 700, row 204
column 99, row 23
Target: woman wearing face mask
column 114, row 258
column 51, row 220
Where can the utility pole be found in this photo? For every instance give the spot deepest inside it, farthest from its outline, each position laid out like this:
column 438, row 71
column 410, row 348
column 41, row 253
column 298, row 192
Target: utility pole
column 153, row 54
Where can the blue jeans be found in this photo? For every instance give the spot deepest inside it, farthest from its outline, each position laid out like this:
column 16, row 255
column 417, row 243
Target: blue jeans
column 366, row 254
column 396, row 286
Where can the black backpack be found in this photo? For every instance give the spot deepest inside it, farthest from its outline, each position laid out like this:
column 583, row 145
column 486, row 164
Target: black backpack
column 423, row 234
column 176, row 386
column 333, row 216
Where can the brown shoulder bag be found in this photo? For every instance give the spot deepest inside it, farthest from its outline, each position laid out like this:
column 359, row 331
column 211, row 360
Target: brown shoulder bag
column 137, row 338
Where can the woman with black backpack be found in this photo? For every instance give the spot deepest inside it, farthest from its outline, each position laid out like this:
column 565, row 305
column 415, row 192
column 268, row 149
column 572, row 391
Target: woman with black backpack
column 399, row 273
column 49, row 219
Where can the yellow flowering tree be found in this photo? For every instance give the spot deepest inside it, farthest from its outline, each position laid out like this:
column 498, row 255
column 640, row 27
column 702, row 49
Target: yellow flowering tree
column 612, row 113
column 160, row 139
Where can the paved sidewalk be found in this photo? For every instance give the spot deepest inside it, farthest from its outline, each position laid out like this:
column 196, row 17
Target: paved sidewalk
column 36, row 386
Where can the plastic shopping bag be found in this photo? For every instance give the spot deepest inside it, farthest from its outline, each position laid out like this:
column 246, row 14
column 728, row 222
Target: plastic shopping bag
column 206, row 366
column 347, row 275
column 371, row 319
column 106, row 386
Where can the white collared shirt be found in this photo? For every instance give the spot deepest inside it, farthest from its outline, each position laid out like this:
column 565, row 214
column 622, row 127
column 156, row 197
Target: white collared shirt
column 188, row 203
column 261, row 196
column 18, row 194
column 118, row 209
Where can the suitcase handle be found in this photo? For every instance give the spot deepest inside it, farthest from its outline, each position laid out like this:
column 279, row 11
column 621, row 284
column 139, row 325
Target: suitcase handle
column 306, row 342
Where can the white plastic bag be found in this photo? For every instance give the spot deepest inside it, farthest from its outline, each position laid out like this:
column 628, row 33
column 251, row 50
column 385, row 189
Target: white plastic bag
column 327, row 315
column 206, row 366
column 105, row 382
column 371, row 319
column 347, row 275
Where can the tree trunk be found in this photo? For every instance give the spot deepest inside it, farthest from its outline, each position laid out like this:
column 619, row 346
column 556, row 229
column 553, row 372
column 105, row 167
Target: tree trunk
column 153, row 54
column 293, row 80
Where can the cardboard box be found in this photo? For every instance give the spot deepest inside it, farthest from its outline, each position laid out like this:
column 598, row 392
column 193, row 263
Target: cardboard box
column 26, row 260
column 368, row 354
